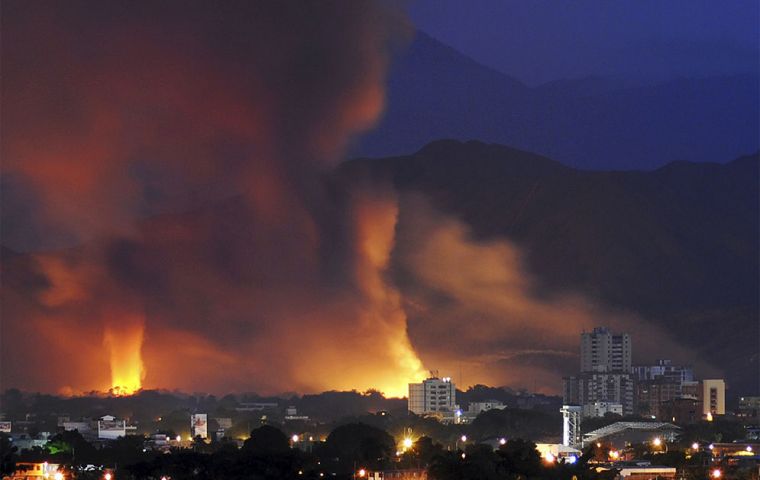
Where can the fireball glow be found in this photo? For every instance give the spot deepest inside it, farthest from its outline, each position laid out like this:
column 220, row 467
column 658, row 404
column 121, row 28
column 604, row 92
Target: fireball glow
column 124, row 347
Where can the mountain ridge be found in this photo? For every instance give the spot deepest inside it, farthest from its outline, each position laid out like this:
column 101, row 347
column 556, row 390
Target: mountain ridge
column 437, row 92
column 677, row 245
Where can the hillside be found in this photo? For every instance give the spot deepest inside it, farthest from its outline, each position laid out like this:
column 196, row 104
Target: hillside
column 599, row 123
column 677, row 246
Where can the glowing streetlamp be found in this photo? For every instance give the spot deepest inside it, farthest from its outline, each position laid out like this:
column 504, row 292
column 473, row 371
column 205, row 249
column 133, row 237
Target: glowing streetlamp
column 657, row 442
column 549, row 458
column 695, row 446
column 107, row 476
column 716, row 473
column 464, row 438
column 502, row 441
column 749, row 448
column 407, row 443
column 362, row 473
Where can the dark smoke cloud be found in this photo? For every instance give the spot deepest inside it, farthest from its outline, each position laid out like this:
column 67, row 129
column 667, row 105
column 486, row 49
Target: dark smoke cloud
column 174, row 153
column 167, row 176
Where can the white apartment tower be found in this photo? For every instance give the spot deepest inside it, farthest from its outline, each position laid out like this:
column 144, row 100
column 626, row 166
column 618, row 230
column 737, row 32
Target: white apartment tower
column 603, row 351
column 433, row 395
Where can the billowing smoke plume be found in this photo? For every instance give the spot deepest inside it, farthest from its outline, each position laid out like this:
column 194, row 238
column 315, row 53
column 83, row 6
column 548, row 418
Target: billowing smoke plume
column 173, row 220
column 173, row 154
column 475, row 309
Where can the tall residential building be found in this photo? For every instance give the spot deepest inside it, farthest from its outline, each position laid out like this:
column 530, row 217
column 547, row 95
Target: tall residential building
column 605, row 377
column 603, row 351
column 433, row 395
column 713, row 396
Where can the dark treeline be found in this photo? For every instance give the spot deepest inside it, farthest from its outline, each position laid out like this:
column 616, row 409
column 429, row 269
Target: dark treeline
column 268, row 454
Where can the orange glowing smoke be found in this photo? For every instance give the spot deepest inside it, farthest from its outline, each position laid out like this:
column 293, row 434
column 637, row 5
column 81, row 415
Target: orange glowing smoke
column 376, row 218
column 124, row 347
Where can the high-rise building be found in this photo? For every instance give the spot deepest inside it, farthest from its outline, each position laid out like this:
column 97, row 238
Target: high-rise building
column 713, row 396
column 605, row 374
column 431, row 396
column 603, row 351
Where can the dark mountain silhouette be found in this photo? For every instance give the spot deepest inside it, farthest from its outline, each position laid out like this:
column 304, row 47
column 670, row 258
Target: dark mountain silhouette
column 677, row 245
column 436, row 92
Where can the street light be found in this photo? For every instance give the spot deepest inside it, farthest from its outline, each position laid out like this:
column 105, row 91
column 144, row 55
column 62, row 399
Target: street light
column 657, row 442
column 502, row 441
column 407, row 443
column 362, row 473
column 716, row 473
column 695, row 446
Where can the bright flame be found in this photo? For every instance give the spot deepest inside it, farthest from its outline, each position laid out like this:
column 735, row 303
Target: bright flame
column 124, row 346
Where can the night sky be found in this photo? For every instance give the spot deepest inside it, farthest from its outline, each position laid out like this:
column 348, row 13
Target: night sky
column 171, row 219
column 542, row 41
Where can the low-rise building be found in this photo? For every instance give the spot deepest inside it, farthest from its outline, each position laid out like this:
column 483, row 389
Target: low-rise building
column 652, row 394
column 682, row 410
column 749, row 407
column 600, row 409
column 400, row 474
column 110, row 428
column 476, row 408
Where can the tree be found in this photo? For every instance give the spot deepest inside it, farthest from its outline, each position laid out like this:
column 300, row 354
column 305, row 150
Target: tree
column 7, row 455
column 358, row 444
column 266, row 440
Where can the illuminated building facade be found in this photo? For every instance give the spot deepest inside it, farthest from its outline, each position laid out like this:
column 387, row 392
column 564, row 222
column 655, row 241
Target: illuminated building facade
column 713, row 396
column 432, row 396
